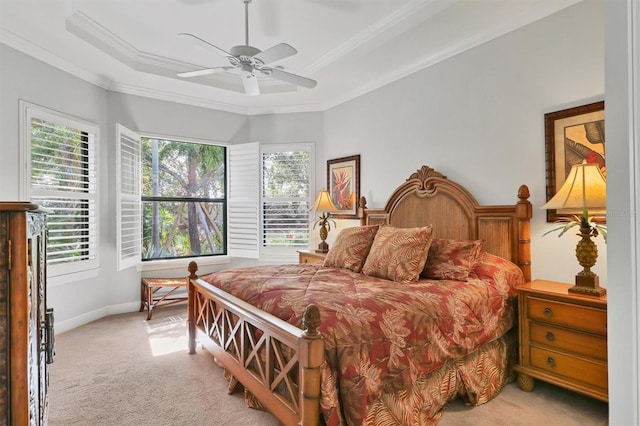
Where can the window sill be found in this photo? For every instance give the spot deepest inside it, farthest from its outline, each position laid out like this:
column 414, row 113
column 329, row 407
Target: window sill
column 158, row 265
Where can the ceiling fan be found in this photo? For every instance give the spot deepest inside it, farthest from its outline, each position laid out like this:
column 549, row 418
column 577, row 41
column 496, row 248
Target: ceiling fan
column 251, row 61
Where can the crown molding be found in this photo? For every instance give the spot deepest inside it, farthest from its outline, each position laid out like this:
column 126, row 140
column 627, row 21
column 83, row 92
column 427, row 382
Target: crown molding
column 15, row 42
column 18, row 43
column 287, row 109
column 88, row 30
column 209, row 103
column 400, row 21
column 177, row 97
column 534, row 13
column 79, row 23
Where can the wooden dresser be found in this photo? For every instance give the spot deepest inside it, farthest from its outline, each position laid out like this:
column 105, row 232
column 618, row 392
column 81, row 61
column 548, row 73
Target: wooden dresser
column 307, row 256
column 26, row 326
column 563, row 339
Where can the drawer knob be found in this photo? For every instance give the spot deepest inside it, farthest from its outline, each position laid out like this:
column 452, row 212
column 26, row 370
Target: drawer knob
column 548, row 312
column 551, row 362
column 550, row 337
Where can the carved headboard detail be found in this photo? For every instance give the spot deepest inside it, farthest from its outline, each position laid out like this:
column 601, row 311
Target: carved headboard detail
column 429, row 198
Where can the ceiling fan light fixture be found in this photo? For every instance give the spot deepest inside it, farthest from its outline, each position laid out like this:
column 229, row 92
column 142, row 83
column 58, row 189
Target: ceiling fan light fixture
column 239, row 51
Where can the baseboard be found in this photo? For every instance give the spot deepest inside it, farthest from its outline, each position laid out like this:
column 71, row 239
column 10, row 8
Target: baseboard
column 71, row 323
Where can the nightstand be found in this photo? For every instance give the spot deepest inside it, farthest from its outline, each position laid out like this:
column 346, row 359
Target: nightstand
column 563, row 339
column 308, row 256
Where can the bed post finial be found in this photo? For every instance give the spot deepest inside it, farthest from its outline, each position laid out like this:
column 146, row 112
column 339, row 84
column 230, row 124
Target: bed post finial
column 311, row 321
column 362, row 205
column 193, row 268
column 523, row 193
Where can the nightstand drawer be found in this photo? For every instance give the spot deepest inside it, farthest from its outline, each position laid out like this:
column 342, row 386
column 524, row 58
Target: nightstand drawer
column 575, row 368
column 569, row 315
column 569, row 341
column 310, row 257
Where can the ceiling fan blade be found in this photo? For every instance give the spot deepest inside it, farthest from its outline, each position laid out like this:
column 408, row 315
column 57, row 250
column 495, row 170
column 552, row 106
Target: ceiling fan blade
column 250, row 83
column 275, row 53
column 205, row 71
column 207, row 44
column 290, row 78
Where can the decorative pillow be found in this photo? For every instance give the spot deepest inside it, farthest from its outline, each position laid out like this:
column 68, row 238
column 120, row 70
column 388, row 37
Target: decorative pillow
column 351, row 247
column 502, row 273
column 451, row 259
column 398, row 254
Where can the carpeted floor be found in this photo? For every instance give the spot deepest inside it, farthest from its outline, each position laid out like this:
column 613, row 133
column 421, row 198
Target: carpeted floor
column 125, row 371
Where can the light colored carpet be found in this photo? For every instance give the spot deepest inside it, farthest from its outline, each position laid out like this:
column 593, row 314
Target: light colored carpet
column 125, row 371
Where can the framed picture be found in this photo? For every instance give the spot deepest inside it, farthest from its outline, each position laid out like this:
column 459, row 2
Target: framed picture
column 571, row 136
column 343, row 183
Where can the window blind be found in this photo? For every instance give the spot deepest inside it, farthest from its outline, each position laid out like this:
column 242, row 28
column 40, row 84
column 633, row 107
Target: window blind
column 63, row 181
column 244, row 200
column 286, row 197
column 128, row 182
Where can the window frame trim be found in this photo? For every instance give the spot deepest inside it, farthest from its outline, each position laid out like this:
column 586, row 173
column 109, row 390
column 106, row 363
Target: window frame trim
column 28, row 111
column 159, row 264
column 280, row 254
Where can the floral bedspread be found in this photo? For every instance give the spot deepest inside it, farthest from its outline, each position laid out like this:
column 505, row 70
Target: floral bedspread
column 381, row 336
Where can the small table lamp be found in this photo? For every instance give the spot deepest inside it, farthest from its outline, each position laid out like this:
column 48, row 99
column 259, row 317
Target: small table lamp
column 323, row 205
column 584, row 189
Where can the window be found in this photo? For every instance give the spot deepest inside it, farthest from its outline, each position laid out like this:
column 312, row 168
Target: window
column 60, row 153
column 184, row 203
column 183, row 199
column 270, row 193
column 286, row 195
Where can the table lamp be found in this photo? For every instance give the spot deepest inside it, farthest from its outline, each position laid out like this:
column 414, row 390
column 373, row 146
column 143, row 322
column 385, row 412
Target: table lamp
column 584, row 189
column 323, row 205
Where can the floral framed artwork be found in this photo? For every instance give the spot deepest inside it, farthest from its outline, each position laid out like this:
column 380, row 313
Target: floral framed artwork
column 572, row 135
column 343, row 183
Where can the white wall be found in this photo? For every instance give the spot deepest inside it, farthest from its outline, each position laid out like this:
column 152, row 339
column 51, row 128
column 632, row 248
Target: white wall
column 24, row 78
column 292, row 128
column 478, row 118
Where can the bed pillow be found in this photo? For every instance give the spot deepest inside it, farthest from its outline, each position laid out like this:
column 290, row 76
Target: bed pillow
column 398, row 254
column 351, row 248
column 451, row 259
column 502, row 273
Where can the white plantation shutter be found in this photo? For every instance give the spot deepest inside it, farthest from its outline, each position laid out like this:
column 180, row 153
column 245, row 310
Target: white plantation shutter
column 60, row 154
column 128, row 184
column 286, row 195
column 243, row 226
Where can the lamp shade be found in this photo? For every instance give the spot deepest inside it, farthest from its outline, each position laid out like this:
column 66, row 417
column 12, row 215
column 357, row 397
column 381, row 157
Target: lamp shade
column 323, row 203
column 585, row 188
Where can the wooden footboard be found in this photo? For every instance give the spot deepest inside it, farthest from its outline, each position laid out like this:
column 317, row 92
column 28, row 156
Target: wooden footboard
column 278, row 363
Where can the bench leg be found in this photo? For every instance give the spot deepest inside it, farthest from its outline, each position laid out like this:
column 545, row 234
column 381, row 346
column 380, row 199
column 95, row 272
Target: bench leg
column 149, row 302
column 142, row 293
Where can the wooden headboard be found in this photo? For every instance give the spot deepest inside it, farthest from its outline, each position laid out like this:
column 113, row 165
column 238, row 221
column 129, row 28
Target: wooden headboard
column 429, row 198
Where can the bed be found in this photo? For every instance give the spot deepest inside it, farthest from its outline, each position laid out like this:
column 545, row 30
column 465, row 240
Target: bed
column 339, row 344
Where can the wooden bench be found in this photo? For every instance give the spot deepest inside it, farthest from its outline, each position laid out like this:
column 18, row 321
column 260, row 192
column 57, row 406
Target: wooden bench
column 151, row 297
